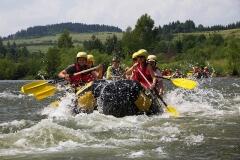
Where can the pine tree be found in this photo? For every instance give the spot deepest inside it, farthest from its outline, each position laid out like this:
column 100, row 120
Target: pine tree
column 65, row 40
column 52, row 61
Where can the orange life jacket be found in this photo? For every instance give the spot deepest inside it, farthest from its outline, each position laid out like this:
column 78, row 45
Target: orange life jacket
column 138, row 77
column 83, row 78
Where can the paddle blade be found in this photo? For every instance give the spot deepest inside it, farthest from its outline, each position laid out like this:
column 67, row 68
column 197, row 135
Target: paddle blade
column 40, row 89
column 84, row 88
column 172, row 111
column 45, row 92
column 33, row 87
column 184, row 83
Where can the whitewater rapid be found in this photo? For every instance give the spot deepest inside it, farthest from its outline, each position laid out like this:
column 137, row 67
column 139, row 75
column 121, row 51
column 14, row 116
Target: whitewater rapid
column 206, row 113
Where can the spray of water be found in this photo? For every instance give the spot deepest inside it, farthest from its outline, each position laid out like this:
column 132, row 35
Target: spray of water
column 62, row 130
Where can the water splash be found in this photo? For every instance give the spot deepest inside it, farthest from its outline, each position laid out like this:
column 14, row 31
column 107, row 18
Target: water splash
column 194, row 140
column 62, row 108
column 11, row 95
column 14, row 126
column 143, row 137
column 202, row 101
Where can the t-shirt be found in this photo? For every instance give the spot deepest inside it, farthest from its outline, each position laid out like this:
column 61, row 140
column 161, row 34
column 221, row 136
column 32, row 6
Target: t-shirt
column 71, row 69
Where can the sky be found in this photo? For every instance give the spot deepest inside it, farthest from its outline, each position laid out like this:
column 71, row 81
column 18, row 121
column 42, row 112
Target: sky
column 16, row 15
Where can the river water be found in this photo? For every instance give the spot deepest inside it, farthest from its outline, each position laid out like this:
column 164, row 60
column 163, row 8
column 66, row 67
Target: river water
column 208, row 127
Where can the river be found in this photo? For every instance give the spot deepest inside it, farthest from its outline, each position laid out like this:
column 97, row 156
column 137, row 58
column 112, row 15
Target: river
column 208, row 127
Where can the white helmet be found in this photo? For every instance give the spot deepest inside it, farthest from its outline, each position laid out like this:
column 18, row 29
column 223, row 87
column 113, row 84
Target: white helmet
column 81, row 55
column 152, row 58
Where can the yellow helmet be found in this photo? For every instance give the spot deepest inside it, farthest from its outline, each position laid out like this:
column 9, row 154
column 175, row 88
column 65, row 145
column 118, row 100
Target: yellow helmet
column 152, row 58
column 81, row 55
column 134, row 55
column 90, row 58
column 141, row 52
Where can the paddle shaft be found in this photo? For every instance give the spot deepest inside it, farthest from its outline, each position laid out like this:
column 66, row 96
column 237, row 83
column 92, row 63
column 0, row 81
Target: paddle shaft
column 85, row 71
column 163, row 77
column 165, row 104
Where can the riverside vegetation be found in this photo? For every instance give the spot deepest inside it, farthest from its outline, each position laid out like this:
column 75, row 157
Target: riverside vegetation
column 177, row 46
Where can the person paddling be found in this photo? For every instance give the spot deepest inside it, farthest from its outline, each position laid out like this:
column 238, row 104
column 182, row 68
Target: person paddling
column 129, row 71
column 78, row 66
column 115, row 71
column 90, row 63
column 142, row 67
column 152, row 60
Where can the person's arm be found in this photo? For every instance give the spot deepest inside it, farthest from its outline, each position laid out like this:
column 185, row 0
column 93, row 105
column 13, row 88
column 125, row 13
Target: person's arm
column 94, row 74
column 160, row 83
column 100, row 72
column 152, row 75
column 129, row 71
column 63, row 74
column 67, row 72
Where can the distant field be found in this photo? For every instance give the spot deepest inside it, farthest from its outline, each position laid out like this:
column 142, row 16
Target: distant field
column 37, row 48
column 224, row 33
column 43, row 43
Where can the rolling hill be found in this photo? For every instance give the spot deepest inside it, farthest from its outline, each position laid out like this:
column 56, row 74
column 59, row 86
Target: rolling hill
column 42, row 43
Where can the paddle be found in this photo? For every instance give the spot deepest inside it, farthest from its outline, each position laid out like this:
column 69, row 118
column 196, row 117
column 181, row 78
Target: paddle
column 40, row 89
column 181, row 82
column 170, row 109
column 43, row 88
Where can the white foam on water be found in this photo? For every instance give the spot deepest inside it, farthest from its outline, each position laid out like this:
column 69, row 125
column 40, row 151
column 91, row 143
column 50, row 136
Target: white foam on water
column 23, row 147
column 160, row 152
column 63, row 110
column 101, row 122
column 10, row 95
column 12, row 152
column 194, row 139
column 14, row 123
column 23, row 143
column 199, row 102
column 236, row 85
column 137, row 154
column 48, row 136
column 65, row 145
column 14, row 126
column 43, row 136
column 168, row 139
column 237, row 99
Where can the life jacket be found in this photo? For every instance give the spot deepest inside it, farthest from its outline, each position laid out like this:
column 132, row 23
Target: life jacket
column 138, row 77
column 83, row 78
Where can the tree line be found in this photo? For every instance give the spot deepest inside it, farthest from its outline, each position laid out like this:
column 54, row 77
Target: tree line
column 172, row 27
column 189, row 26
column 53, row 29
column 176, row 51
column 17, row 62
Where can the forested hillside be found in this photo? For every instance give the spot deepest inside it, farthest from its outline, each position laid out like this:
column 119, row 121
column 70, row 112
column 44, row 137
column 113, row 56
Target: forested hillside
column 176, row 48
column 38, row 31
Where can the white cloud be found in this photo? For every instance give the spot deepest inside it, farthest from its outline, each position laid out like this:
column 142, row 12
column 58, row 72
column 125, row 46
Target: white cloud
column 16, row 15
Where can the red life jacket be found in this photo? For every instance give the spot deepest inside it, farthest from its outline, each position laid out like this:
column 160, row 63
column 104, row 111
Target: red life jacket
column 81, row 79
column 138, row 77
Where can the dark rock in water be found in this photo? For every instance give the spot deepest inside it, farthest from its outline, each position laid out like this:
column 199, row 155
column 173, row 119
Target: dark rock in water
column 97, row 87
column 117, row 98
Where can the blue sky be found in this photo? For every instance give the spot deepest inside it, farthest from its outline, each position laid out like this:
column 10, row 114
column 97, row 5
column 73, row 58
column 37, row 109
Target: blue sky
column 21, row 14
